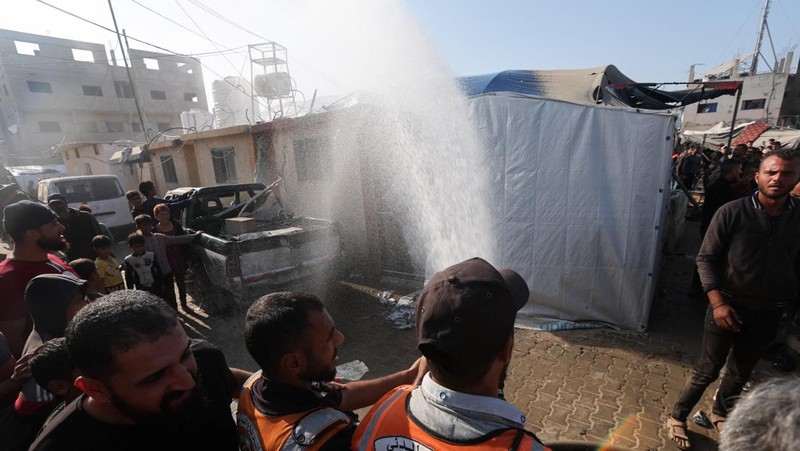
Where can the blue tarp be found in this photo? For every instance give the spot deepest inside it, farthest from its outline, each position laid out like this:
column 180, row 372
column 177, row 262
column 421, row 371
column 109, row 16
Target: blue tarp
column 596, row 85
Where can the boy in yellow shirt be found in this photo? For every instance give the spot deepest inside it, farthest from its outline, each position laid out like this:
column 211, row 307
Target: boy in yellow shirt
column 107, row 265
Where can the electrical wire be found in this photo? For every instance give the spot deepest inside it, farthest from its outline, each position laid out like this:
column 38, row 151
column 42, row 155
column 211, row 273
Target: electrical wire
column 219, row 16
column 147, row 43
column 177, row 23
column 210, row 40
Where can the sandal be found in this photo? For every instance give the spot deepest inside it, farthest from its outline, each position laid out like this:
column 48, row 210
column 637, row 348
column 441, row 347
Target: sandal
column 676, row 431
column 718, row 421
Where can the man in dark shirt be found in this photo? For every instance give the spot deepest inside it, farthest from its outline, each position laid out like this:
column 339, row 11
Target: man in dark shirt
column 747, row 264
column 294, row 340
column 146, row 384
column 79, row 228
column 720, row 192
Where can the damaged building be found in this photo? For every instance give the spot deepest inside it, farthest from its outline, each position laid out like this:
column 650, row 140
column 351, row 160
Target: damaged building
column 54, row 92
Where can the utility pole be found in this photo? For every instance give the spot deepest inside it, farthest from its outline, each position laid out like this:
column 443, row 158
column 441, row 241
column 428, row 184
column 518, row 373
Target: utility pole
column 761, row 29
column 128, row 70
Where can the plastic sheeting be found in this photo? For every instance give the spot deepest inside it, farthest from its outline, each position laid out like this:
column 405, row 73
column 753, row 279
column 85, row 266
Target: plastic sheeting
column 580, row 197
column 594, row 85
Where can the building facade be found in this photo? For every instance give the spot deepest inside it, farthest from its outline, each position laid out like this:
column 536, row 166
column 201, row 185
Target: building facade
column 772, row 97
column 57, row 91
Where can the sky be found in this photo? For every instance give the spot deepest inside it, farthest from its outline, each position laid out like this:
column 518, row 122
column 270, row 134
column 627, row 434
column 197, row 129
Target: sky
column 330, row 43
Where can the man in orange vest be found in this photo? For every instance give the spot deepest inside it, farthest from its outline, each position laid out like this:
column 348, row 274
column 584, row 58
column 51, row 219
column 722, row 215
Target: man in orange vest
column 290, row 404
column 465, row 329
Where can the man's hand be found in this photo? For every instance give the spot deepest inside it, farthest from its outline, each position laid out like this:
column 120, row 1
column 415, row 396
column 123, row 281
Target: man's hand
column 725, row 317
column 22, row 370
column 420, row 367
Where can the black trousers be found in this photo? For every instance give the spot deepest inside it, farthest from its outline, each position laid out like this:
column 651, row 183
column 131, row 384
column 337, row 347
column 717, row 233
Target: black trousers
column 740, row 351
column 168, row 290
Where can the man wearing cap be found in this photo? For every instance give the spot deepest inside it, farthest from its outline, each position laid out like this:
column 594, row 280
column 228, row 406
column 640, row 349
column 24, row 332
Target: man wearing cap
column 52, row 300
column 291, row 405
column 35, row 231
column 465, row 329
column 79, row 227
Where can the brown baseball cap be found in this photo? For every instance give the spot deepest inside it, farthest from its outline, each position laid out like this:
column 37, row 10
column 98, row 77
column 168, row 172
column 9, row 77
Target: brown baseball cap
column 466, row 313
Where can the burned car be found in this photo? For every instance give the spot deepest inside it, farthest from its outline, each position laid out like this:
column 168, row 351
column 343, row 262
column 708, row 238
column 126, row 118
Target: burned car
column 250, row 243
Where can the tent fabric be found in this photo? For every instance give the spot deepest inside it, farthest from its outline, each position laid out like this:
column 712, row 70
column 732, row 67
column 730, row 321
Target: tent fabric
column 717, row 136
column 596, row 85
column 580, row 202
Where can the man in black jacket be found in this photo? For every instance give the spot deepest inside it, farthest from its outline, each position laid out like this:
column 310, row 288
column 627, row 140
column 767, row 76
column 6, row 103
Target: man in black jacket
column 747, row 267
column 146, row 384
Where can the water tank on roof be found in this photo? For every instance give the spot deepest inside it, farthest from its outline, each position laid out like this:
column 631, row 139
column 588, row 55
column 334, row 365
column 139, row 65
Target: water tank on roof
column 274, row 85
column 197, row 119
column 231, row 102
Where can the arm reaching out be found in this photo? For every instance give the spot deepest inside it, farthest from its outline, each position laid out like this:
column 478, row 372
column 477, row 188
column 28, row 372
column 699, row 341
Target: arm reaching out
column 360, row 394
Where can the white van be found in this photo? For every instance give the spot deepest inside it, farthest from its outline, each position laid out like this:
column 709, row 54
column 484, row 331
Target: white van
column 101, row 192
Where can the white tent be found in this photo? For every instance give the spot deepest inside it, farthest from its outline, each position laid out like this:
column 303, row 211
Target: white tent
column 581, row 198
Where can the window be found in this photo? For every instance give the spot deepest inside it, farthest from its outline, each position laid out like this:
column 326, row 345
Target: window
column 77, row 153
column 755, row 104
column 158, row 95
column 123, row 89
column 115, row 127
column 312, row 158
column 88, row 127
column 49, row 127
column 190, row 97
column 96, row 150
column 136, row 127
column 87, row 169
column 707, row 108
column 151, row 63
column 163, row 126
column 83, row 190
column 95, row 91
column 83, row 55
column 224, row 162
column 5, row 90
column 168, row 164
column 40, row 86
column 27, row 48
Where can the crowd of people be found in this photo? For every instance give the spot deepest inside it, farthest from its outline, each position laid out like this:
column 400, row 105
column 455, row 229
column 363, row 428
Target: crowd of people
column 87, row 364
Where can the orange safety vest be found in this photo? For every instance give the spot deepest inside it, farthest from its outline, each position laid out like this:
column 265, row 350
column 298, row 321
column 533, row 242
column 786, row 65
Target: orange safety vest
column 306, row 431
column 388, row 426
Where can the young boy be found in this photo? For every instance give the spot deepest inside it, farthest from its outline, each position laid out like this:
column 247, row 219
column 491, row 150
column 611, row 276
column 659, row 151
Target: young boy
column 157, row 243
column 52, row 368
column 87, row 271
column 141, row 271
column 107, row 266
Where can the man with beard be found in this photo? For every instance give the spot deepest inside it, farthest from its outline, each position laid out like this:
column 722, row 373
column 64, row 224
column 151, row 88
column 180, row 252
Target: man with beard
column 291, row 403
column 146, row 384
column 747, row 264
column 465, row 329
column 35, row 231
column 79, row 228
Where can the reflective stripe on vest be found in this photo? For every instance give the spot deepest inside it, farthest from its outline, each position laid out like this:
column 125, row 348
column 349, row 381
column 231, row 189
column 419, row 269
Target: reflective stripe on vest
column 299, row 431
column 388, row 427
column 310, row 427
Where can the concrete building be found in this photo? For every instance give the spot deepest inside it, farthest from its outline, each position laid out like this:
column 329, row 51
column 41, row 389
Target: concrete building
column 98, row 159
column 56, row 91
column 772, row 97
column 208, row 158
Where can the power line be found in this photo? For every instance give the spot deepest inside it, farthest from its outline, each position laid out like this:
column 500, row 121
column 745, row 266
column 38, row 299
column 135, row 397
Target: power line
column 219, row 16
column 146, row 43
column 215, row 45
column 179, row 24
